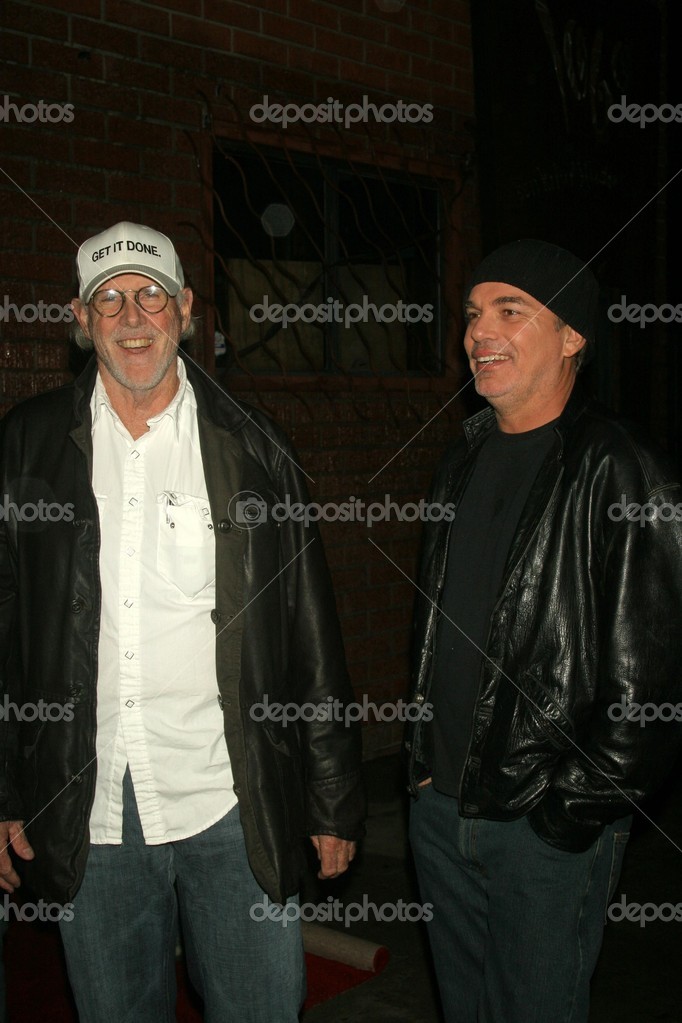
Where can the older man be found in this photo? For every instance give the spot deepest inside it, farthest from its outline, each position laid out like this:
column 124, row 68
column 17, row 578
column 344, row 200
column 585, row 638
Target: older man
column 542, row 612
column 159, row 614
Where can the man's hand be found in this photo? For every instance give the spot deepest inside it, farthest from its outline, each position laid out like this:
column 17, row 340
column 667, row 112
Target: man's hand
column 335, row 854
column 12, row 833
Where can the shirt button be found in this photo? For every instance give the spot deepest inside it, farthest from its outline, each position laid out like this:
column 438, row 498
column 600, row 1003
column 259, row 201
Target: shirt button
column 130, row 703
column 216, row 616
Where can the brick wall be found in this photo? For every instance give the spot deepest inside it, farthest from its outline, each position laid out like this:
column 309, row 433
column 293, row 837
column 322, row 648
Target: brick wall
column 149, row 85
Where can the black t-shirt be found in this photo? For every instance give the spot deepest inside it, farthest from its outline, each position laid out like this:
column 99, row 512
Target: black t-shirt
column 480, row 538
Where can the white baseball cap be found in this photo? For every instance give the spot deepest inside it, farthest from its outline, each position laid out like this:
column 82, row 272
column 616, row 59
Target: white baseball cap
column 128, row 248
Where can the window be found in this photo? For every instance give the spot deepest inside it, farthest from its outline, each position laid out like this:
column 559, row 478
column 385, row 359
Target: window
column 323, row 266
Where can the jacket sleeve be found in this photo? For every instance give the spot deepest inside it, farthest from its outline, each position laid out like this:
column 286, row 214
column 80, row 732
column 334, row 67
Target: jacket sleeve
column 329, row 730
column 9, row 803
column 632, row 733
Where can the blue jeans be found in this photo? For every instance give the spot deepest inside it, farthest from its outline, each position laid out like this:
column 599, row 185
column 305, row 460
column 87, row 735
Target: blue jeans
column 120, row 944
column 517, row 925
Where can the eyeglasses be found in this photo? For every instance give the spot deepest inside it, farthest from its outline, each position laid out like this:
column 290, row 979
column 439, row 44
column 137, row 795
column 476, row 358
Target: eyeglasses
column 109, row 301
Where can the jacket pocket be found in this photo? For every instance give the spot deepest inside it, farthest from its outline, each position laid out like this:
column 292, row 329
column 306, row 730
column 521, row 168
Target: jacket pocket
column 539, row 717
column 289, row 769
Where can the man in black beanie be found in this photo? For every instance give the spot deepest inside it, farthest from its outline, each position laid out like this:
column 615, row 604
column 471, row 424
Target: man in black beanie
column 547, row 614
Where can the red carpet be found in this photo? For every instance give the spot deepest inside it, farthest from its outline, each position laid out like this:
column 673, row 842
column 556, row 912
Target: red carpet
column 38, row 988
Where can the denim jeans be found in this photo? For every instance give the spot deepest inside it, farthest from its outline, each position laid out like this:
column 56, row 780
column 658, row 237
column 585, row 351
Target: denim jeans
column 120, row 944
column 517, row 925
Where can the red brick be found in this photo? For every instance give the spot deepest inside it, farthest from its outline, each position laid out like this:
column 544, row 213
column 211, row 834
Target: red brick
column 360, row 27
column 314, row 12
column 372, row 78
column 74, row 60
column 152, row 20
column 322, row 65
column 298, row 32
column 245, row 16
column 387, row 57
column 52, row 355
column 16, row 354
column 272, row 51
column 184, row 112
column 13, row 48
column 197, row 32
column 135, row 188
column 88, row 8
column 93, row 35
column 146, row 77
column 36, row 21
column 106, row 156
column 338, row 44
column 410, row 42
column 16, row 234
column 28, row 85
column 170, row 54
column 229, row 67
column 140, row 133
column 16, row 385
column 65, row 177
column 183, row 6
column 187, row 196
column 180, row 167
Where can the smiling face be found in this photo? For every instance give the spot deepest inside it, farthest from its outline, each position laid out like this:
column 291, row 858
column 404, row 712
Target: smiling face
column 521, row 362
column 136, row 350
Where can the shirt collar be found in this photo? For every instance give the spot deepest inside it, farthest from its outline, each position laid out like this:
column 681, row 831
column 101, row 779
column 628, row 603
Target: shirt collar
column 100, row 400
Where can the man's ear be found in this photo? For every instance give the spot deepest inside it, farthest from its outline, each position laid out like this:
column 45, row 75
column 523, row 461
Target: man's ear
column 80, row 311
column 186, row 296
column 573, row 342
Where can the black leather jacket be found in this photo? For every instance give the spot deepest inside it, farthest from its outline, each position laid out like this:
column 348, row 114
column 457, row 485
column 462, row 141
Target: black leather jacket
column 587, row 621
column 276, row 633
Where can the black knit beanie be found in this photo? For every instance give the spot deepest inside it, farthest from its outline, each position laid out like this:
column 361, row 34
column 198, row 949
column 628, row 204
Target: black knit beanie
column 553, row 276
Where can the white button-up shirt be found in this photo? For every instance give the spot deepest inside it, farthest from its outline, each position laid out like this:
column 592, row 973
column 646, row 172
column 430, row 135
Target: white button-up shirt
column 157, row 691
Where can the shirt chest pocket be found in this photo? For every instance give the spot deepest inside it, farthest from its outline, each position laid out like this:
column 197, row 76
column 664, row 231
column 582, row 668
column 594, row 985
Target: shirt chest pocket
column 185, row 554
